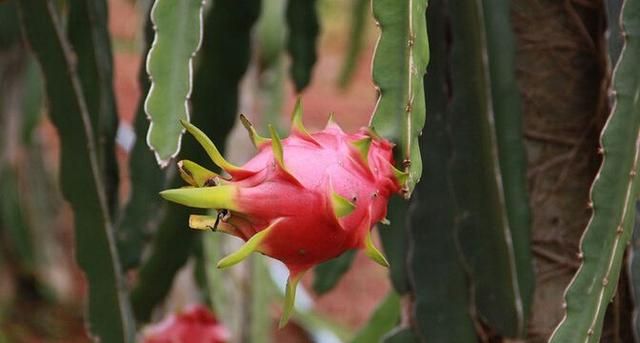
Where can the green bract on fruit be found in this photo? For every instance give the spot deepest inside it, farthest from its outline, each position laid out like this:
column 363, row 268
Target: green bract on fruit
column 302, row 200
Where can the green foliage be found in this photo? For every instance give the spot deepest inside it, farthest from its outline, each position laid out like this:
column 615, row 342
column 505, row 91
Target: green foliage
column 178, row 28
column 143, row 211
column 10, row 33
column 507, row 109
column 328, row 274
column 399, row 64
column 442, row 308
column 271, row 39
column 17, row 237
column 302, row 21
column 89, row 37
column 613, row 196
column 359, row 14
column 109, row 316
column 382, row 320
column 493, row 234
column 394, row 239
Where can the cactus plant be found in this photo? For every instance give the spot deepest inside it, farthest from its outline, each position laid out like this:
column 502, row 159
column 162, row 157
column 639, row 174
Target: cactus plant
column 178, row 28
column 613, row 196
column 302, row 22
column 109, row 313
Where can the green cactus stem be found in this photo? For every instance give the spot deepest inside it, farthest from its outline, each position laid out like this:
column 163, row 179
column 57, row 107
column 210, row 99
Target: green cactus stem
column 302, row 21
column 178, row 34
column 400, row 61
column 613, row 196
column 109, row 314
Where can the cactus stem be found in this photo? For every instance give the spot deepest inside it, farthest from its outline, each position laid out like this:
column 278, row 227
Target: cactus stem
column 258, row 141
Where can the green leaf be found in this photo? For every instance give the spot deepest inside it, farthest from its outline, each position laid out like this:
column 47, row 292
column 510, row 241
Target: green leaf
column 178, row 28
column 328, row 274
column 109, row 316
column 89, row 37
column 302, row 21
column 215, row 99
column 442, row 302
column 385, row 317
column 9, row 25
column 613, row 196
column 359, row 14
column 399, row 63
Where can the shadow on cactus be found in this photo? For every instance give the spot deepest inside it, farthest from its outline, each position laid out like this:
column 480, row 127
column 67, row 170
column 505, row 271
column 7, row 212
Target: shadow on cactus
column 302, row 200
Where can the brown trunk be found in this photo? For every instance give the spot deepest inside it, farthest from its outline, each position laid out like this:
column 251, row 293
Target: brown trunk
column 561, row 70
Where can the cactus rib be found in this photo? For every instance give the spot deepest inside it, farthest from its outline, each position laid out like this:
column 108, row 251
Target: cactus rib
column 613, row 195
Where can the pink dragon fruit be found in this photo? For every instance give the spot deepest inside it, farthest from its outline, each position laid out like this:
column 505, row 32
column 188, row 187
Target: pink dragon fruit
column 196, row 324
column 301, row 200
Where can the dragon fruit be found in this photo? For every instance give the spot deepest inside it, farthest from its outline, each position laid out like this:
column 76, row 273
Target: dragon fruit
column 196, row 324
column 302, row 200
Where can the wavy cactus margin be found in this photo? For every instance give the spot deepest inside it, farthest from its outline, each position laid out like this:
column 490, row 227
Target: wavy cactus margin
column 178, row 28
column 399, row 63
column 613, row 196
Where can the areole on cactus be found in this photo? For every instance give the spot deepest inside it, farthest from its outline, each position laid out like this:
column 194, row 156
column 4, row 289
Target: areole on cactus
column 302, row 200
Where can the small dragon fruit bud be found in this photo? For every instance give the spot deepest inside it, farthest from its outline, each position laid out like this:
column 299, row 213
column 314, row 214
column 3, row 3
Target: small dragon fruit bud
column 196, row 324
column 302, row 200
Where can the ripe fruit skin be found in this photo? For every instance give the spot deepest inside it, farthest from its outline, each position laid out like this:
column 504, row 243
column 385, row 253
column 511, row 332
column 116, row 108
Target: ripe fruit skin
column 301, row 200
